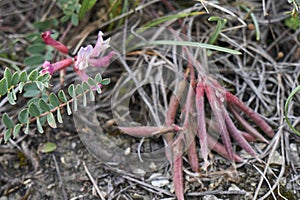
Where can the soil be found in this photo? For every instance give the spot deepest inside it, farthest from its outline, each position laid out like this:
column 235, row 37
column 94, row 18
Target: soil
column 74, row 171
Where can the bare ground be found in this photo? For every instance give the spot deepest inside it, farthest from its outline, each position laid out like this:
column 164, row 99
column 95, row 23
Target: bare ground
column 263, row 78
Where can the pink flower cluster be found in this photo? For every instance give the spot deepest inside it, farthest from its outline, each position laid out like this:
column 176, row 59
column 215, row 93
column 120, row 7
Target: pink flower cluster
column 87, row 56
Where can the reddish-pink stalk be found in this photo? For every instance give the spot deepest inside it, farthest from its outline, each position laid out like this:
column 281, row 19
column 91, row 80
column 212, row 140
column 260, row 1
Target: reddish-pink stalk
column 216, row 107
column 233, row 100
column 170, row 117
column 52, row 68
column 177, row 169
column 140, row 131
column 247, row 136
column 247, row 126
column 201, row 129
column 220, row 149
column 190, row 141
column 233, row 131
column 50, row 41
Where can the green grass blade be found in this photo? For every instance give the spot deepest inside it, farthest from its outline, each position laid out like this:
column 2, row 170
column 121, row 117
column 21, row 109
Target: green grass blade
column 286, row 106
column 192, row 44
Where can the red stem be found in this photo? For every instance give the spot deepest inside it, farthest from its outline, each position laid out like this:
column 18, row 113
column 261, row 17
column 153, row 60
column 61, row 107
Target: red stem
column 236, row 135
column 177, row 170
column 217, row 107
column 140, row 131
column 220, row 149
column 247, row 136
column 201, row 130
column 247, row 126
column 190, row 141
column 233, row 100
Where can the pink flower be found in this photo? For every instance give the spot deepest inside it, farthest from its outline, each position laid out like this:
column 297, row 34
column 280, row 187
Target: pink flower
column 100, row 45
column 50, row 41
column 51, row 68
column 84, row 54
column 89, row 56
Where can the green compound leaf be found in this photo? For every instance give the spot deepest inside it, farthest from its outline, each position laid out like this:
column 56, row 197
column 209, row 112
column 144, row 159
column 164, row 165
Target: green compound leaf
column 84, row 100
column 44, row 77
column 105, row 81
column 53, row 99
column 23, row 116
column 58, row 114
column 40, row 85
column 92, row 96
column 286, row 107
column 33, row 75
column 34, row 60
column 98, row 78
column 7, row 135
column 8, row 76
column 85, row 86
column 51, row 120
column 11, row 98
column 74, row 19
column 33, row 110
column 7, row 121
column 75, row 105
column 79, row 90
column 99, row 91
column 17, row 129
column 71, row 91
column 23, row 76
column 38, row 48
column 48, row 147
column 26, row 131
column 3, row 86
column 91, row 82
column 62, row 96
column 39, row 125
column 21, row 86
column 15, row 78
column 31, row 90
column 69, row 111
column 43, row 105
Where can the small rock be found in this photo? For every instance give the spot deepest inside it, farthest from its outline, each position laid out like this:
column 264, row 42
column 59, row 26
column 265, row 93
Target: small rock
column 234, row 187
column 140, row 172
column 153, row 166
column 155, row 176
column 210, row 197
column 160, row 182
column 276, row 159
column 127, row 151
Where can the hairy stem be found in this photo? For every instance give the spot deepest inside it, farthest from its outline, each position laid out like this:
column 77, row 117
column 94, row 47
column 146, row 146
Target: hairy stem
column 217, row 108
column 247, row 126
column 201, row 129
column 236, row 135
column 233, row 100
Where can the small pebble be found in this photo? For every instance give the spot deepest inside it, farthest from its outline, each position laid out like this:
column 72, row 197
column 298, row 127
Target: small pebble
column 160, row 182
column 127, row 151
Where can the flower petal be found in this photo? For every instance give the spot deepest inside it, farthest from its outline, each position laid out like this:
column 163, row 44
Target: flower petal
column 103, row 61
column 50, row 41
column 81, row 73
column 47, row 68
column 100, row 45
column 83, row 57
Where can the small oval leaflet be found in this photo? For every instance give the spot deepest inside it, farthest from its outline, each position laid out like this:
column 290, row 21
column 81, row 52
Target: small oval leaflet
column 48, row 147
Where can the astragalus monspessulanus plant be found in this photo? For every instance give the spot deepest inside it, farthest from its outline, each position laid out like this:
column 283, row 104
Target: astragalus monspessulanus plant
column 166, row 92
column 41, row 103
